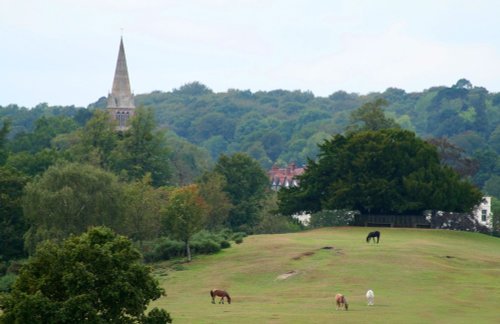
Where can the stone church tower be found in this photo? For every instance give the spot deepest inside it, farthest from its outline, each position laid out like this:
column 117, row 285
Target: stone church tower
column 121, row 100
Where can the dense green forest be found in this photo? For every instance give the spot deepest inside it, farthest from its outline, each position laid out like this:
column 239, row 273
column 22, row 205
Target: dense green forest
column 282, row 126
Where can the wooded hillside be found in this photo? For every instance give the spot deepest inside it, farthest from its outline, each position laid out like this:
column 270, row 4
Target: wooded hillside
column 282, row 126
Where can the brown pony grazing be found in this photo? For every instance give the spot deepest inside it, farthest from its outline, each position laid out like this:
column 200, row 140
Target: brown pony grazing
column 220, row 293
column 341, row 302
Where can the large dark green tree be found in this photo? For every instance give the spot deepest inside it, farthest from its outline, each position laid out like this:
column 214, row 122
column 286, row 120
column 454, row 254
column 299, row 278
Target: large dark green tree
column 386, row 171
column 96, row 277
column 246, row 184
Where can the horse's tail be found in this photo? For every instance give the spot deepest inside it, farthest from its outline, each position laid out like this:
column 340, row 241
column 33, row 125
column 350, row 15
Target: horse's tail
column 212, row 293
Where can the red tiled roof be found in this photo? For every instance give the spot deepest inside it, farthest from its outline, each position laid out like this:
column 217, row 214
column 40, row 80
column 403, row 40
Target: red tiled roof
column 284, row 177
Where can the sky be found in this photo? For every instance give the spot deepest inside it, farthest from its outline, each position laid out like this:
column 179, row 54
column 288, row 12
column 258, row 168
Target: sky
column 63, row 52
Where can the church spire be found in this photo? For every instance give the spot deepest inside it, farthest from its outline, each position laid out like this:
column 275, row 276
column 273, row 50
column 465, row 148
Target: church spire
column 121, row 100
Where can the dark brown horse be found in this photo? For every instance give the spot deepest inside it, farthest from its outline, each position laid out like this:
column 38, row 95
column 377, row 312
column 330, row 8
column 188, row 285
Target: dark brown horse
column 341, row 302
column 220, row 293
column 373, row 235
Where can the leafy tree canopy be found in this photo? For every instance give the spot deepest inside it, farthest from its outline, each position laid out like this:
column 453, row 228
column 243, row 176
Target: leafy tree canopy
column 245, row 184
column 185, row 214
column 143, row 150
column 96, row 277
column 386, row 171
column 68, row 198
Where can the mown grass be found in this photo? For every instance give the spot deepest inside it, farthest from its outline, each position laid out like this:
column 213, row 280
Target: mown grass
column 418, row 276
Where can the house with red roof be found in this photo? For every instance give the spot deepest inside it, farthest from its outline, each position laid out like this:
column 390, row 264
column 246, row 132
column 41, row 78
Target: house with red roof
column 284, row 177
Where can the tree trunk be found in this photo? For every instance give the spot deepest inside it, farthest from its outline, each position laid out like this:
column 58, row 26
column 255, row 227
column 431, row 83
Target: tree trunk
column 188, row 251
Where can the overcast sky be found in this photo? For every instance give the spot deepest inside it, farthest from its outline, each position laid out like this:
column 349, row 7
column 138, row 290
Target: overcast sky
column 63, row 52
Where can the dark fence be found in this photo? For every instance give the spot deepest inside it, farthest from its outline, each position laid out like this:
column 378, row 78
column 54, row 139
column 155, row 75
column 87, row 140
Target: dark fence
column 416, row 221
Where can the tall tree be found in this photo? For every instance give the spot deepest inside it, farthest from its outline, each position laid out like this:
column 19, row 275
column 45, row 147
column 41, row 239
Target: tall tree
column 143, row 150
column 387, row 171
column 219, row 205
column 69, row 198
column 246, row 184
column 96, row 277
column 185, row 214
column 143, row 205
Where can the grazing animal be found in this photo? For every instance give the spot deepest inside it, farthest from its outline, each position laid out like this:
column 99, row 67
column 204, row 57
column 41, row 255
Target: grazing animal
column 373, row 235
column 220, row 293
column 341, row 302
column 370, row 297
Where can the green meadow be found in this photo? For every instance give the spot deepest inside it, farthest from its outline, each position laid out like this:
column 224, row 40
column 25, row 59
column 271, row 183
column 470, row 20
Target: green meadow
column 418, row 276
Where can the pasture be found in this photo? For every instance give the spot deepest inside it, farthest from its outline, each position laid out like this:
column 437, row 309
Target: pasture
column 418, row 276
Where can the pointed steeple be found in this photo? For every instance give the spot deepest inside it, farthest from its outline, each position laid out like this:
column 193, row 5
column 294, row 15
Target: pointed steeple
column 121, row 100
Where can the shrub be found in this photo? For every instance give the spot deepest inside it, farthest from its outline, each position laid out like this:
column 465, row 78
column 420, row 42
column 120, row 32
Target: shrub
column 338, row 217
column 226, row 233
column 205, row 246
column 239, row 234
column 203, row 242
column 456, row 221
column 220, row 238
column 165, row 249
column 238, row 237
column 274, row 224
column 225, row 244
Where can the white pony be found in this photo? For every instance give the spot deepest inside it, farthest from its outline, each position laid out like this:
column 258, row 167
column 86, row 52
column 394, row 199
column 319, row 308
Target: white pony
column 370, row 296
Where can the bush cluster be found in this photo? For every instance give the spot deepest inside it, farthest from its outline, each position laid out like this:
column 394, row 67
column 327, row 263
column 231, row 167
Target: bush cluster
column 203, row 242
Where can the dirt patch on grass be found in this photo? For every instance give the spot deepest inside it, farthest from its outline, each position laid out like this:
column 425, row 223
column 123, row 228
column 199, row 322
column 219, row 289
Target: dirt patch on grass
column 309, row 253
column 298, row 257
column 287, row 275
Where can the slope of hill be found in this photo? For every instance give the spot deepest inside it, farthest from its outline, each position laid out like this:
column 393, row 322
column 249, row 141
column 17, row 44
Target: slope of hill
column 418, row 276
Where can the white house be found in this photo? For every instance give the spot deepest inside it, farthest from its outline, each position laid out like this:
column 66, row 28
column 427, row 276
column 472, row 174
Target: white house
column 482, row 213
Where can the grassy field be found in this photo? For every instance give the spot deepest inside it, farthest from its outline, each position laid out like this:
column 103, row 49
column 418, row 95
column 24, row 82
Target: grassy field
column 418, row 276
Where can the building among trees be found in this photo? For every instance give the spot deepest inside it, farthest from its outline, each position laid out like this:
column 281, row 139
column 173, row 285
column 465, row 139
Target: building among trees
column 121, row 100
column 482, row 213
column 284, row 177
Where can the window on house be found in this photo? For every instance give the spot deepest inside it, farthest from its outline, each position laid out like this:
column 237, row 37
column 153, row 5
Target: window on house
column 483, row 215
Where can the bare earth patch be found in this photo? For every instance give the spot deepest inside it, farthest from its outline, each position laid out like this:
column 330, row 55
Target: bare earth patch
column 298, row 257
column 287, row 275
